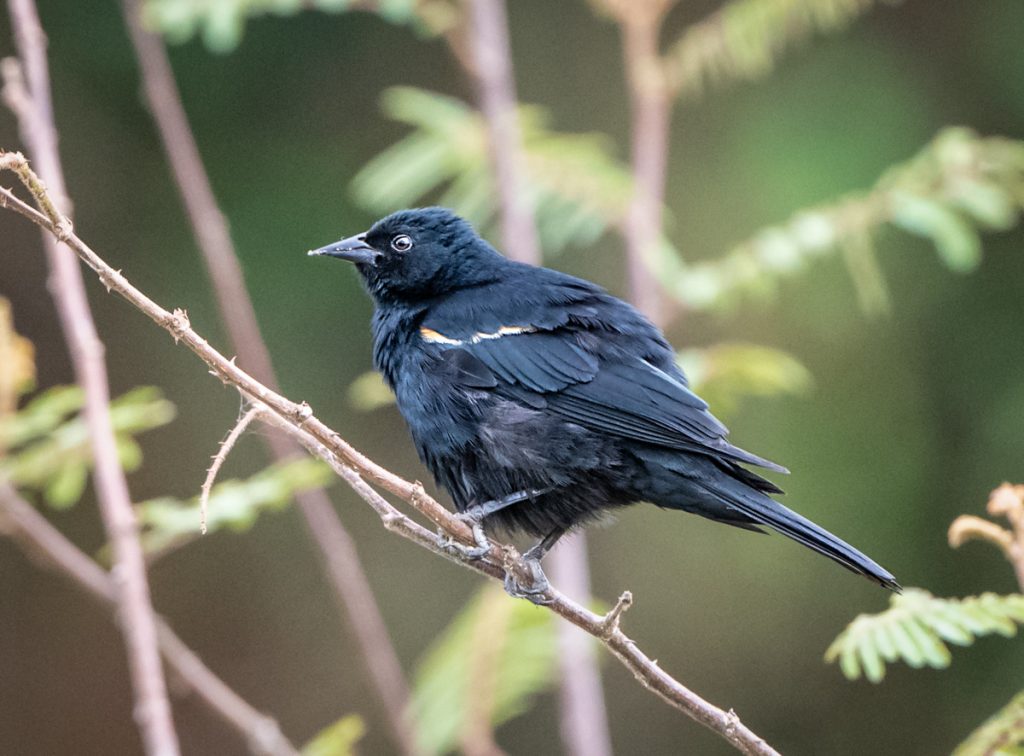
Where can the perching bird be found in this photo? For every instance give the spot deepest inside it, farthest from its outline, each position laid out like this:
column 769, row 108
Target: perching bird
column 539, row 401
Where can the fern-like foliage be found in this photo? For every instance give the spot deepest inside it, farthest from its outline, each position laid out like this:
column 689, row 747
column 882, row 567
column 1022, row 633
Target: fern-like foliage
column 916, row 628
column 575, row 185
column 47, row 447
column 221, row 23
column 1002, row 734
column 958, row 186
column 744, row 39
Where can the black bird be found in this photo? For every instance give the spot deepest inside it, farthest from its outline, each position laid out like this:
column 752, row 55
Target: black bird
column 539, row 401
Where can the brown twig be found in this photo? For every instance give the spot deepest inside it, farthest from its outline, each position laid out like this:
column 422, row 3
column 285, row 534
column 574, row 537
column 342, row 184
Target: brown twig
column 302, row 425
column 20, row 521
column 135, row 610
column 218, row 461
column 337, row 549
column 491, row 66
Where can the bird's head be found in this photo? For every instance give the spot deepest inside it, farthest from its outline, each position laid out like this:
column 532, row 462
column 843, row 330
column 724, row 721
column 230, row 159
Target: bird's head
column 414, row 255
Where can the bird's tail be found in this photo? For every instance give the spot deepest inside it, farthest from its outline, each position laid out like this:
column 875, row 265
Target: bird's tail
column 762, row 510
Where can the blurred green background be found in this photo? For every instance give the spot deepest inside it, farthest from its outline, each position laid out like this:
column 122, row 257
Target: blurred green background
column 913, row 417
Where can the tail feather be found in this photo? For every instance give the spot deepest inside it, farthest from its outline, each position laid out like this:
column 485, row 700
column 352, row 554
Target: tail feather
column 762, row 510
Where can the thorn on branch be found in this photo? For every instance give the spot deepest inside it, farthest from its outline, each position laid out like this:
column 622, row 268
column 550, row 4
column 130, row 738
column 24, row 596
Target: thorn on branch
column 178, row 323
column 732, row 722
column 610, row 622
column 302, row 413
column 218, row 460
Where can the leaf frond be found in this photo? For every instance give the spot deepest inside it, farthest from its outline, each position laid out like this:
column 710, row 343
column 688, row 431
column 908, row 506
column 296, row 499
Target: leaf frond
column 958, row 186
column 916, row 628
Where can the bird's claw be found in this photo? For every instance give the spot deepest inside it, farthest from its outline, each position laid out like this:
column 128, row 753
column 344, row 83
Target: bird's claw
column 533, row 591
column 479, row 551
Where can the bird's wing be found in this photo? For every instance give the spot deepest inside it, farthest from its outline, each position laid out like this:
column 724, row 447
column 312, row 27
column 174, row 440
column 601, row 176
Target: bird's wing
column 592, row 379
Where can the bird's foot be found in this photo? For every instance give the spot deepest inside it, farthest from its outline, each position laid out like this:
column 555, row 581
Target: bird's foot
column 479, row 551
column 535, row 589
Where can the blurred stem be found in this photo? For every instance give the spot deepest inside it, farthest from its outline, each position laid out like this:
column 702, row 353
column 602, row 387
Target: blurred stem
column 30, row 100
column 20, row 521
column 492, row 68
column 584, row 719
column 651, row 112
column 337, row 549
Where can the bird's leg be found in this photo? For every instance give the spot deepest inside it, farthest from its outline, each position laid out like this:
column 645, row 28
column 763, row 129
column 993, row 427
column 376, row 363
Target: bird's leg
column 474, row 516
column 538, row 580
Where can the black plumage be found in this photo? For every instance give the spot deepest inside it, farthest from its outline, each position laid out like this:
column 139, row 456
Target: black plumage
column 539, row 401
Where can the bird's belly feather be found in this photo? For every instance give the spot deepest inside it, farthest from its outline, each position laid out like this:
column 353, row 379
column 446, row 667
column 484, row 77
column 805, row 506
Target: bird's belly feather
column 481, row 447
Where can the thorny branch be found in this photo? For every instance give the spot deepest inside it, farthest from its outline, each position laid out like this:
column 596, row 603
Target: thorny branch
column 20, row 522
column 298, row 420
column 29, row 98
column 342, row 565
column 218, row 461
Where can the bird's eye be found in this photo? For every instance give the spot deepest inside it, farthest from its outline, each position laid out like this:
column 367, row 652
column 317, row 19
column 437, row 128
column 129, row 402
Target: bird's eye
column 401, row 243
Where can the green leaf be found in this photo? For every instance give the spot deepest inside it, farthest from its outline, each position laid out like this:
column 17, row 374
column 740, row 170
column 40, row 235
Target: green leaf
column 41, row 415
column 915, row 628
column 369, row 392
column 338, row 739
column 955, row 240
column 493, row 658
column 66, row 486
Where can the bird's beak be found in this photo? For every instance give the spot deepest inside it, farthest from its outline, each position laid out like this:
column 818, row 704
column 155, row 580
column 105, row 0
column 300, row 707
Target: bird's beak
column 354, row 249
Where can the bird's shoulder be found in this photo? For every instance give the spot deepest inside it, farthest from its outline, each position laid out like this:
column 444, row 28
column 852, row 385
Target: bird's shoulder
column 533, row 301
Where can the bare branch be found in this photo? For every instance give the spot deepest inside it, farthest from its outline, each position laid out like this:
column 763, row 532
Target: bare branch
column 492, row 67
column 135, row 610
column 302, row 425
column 337, row 550
column 40, row 540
